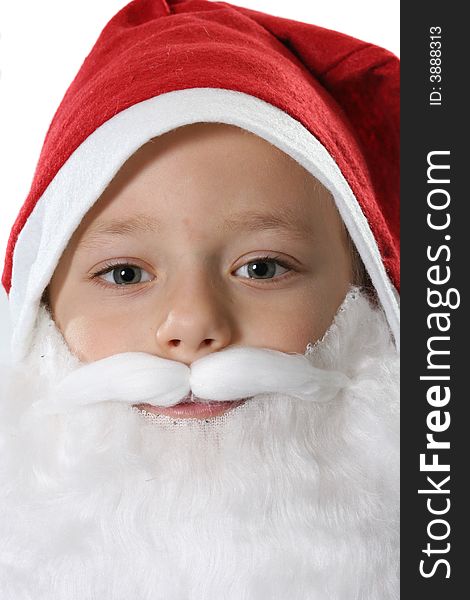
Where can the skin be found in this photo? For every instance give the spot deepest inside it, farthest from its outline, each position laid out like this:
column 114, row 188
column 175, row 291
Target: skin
column 203, row 286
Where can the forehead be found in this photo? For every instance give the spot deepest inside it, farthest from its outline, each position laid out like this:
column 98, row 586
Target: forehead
column 210, row 172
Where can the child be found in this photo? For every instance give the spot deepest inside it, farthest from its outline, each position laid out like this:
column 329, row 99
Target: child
column 205, row 322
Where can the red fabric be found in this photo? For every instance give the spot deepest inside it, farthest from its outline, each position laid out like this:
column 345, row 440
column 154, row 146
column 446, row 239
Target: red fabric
column 345, row 91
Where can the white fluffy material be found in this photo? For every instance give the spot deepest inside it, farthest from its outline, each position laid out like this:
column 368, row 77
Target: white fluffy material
column 90, row 168
column 282, row 499
column 231, row 374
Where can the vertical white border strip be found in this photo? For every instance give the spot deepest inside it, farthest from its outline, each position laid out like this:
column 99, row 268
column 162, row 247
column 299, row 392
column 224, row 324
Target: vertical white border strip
column 87, row 172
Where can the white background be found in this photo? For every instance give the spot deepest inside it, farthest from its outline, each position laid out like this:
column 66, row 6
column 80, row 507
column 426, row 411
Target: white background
column 43, row 44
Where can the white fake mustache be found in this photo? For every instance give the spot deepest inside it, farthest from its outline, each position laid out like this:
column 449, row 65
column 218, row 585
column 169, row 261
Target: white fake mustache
column 231, row 374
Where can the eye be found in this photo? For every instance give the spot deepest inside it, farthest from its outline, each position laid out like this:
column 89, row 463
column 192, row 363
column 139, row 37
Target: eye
column 263, row 268
column 124, row 275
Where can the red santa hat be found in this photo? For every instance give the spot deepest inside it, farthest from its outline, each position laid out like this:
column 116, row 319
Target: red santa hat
column 328, row 100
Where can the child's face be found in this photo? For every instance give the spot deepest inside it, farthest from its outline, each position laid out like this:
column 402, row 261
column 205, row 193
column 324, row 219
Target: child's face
column 207, row 237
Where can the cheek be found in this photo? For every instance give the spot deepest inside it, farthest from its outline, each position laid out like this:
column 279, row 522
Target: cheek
column 287, row 324
column 290, row 324
column 94, row 335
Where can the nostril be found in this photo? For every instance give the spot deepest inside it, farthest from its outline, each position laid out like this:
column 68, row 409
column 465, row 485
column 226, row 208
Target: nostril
column 175, row 343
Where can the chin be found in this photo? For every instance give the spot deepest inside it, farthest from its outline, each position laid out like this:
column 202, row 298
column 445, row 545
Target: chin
column 275, row 498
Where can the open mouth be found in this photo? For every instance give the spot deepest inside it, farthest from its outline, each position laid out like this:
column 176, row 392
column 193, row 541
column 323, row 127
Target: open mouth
column 191, row 407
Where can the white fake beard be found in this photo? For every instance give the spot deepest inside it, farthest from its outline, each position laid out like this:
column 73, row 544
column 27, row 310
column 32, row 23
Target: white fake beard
column 280, row 498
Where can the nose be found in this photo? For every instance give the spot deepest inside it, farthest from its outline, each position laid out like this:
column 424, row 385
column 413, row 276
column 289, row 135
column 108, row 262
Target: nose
column 196, row 323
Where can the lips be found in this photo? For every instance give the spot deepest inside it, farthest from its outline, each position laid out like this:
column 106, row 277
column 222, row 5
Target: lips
column 191, row 408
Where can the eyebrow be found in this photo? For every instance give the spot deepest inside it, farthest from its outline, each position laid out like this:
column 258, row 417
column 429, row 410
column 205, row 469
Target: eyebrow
column 251, row 221
column 139, row 223
column 284, row 221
